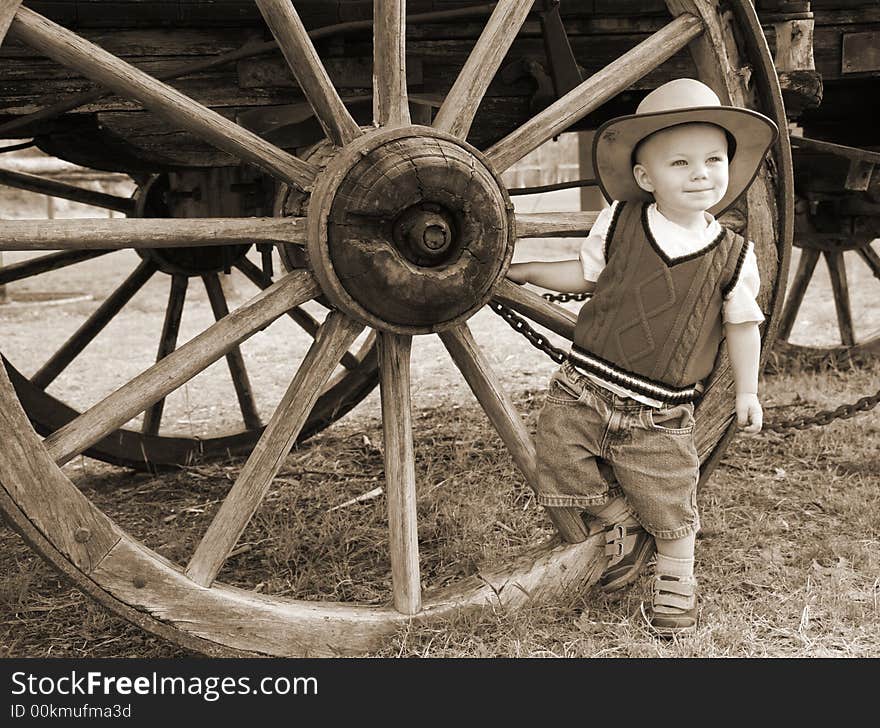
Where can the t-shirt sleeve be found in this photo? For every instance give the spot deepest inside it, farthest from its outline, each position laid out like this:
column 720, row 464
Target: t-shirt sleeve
column 741, row 304
column 592, row 251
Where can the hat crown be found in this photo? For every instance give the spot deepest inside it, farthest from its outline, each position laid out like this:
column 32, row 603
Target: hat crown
column 682, row 93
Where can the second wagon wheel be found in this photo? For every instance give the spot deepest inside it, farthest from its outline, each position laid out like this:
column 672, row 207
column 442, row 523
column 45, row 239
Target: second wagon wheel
column 155, row 444
column 409, row 231
column 836, row 319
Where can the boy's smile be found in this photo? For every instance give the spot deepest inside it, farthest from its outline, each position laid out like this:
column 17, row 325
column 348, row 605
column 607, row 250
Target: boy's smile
column 685, row 167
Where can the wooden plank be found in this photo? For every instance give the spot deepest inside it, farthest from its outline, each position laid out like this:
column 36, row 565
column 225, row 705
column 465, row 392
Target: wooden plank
column 90, row 60
column 252, row 484
column 502, row 413
column 234, row 359
column 557, row 319
column 167, row 375
column 297, row 47
column 167, row 344
column 47, row 498
column 554, row 224
column 53, row 188
column 838, row 150
column 93, row 325
column 390, row 105
column 348, row 72
column 861, row 52
column 114, row 233
column 400, row 474
column 460, row 106
column 602, row 86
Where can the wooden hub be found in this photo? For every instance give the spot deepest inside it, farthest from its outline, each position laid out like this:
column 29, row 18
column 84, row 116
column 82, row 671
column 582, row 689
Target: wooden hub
column 410, row 230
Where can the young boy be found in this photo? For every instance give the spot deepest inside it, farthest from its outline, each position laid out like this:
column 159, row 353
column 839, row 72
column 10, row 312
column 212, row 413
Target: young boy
column 615, row 435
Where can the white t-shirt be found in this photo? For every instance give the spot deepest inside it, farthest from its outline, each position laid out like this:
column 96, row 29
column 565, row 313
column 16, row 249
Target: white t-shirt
column 738, row 306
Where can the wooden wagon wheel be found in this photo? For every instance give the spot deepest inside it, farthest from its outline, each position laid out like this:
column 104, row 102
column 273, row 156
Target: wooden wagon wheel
column 838, row 219
column 409, row 231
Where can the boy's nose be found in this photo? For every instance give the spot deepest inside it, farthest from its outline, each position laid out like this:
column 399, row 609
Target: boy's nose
column 699, row 171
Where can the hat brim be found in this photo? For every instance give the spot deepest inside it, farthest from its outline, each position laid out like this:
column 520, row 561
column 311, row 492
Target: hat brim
column 616, row 139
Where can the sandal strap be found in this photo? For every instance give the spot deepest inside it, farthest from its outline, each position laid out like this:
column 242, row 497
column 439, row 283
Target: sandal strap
column 619, row 540
column 672, row 603
column 672, row 594
column 674, row 585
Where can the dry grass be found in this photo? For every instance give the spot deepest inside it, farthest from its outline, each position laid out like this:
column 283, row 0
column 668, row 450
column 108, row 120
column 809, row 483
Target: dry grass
column 788, row 559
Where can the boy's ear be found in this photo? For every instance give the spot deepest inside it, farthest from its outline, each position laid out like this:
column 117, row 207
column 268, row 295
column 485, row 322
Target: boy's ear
column 642, row 178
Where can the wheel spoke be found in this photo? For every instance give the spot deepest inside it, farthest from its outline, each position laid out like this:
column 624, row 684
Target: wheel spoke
column 93, row 325
column 92, row 61
column 46, row 263
column 234, row 359
column 460, row 106
column 806, row 266
column 306, row 321
column 299, row 51
column 554, row 224
column 866, row 252
column 53, row 188
column 108, row 233
column 336, row 335
column 501, row 411
column 8, row 9
column 400, row 473
column 596, row 90
column 390, row 105
column 167, row 344
column 556, row 318
column 182, row 365
column 837, row 270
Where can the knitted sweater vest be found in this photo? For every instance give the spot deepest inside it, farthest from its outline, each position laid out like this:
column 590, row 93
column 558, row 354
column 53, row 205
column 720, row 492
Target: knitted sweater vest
column 653, row 324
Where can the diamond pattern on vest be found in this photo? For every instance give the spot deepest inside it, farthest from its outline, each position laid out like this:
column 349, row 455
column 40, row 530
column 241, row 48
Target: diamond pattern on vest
column 634, row 336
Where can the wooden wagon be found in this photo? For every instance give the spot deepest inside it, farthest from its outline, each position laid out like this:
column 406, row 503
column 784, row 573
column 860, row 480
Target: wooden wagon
column 828, row 58
column 366, row 148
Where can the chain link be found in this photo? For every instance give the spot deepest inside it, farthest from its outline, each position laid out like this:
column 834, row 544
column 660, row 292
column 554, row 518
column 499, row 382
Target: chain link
column 539, row 341
column 566, row 297
column 844, row 412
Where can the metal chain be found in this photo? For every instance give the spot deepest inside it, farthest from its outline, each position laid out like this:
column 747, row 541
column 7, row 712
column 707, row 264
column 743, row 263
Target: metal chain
column 844, row 412
column 566, row 297
column 539, row 341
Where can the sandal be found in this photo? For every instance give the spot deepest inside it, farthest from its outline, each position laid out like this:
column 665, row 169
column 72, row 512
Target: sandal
column 674, row 605
column 630, row 549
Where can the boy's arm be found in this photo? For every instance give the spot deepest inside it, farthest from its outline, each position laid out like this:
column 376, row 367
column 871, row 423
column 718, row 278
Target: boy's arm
column 564, row 276
column 744, row 350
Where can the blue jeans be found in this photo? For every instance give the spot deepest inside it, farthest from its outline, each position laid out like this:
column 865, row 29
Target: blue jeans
column 594, row 445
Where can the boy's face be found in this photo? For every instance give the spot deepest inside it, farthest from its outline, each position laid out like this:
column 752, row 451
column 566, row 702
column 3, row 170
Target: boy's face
column 685, row 167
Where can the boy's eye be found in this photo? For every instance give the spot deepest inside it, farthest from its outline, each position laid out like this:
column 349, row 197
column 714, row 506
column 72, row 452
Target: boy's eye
column 679, row 163
column 715, row 158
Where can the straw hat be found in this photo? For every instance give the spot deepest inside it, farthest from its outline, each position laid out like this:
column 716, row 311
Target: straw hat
column 682, row 101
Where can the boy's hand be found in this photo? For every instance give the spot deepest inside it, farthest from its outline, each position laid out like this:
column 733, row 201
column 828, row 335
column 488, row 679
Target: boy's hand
column 749, row 415
column 518, row 273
